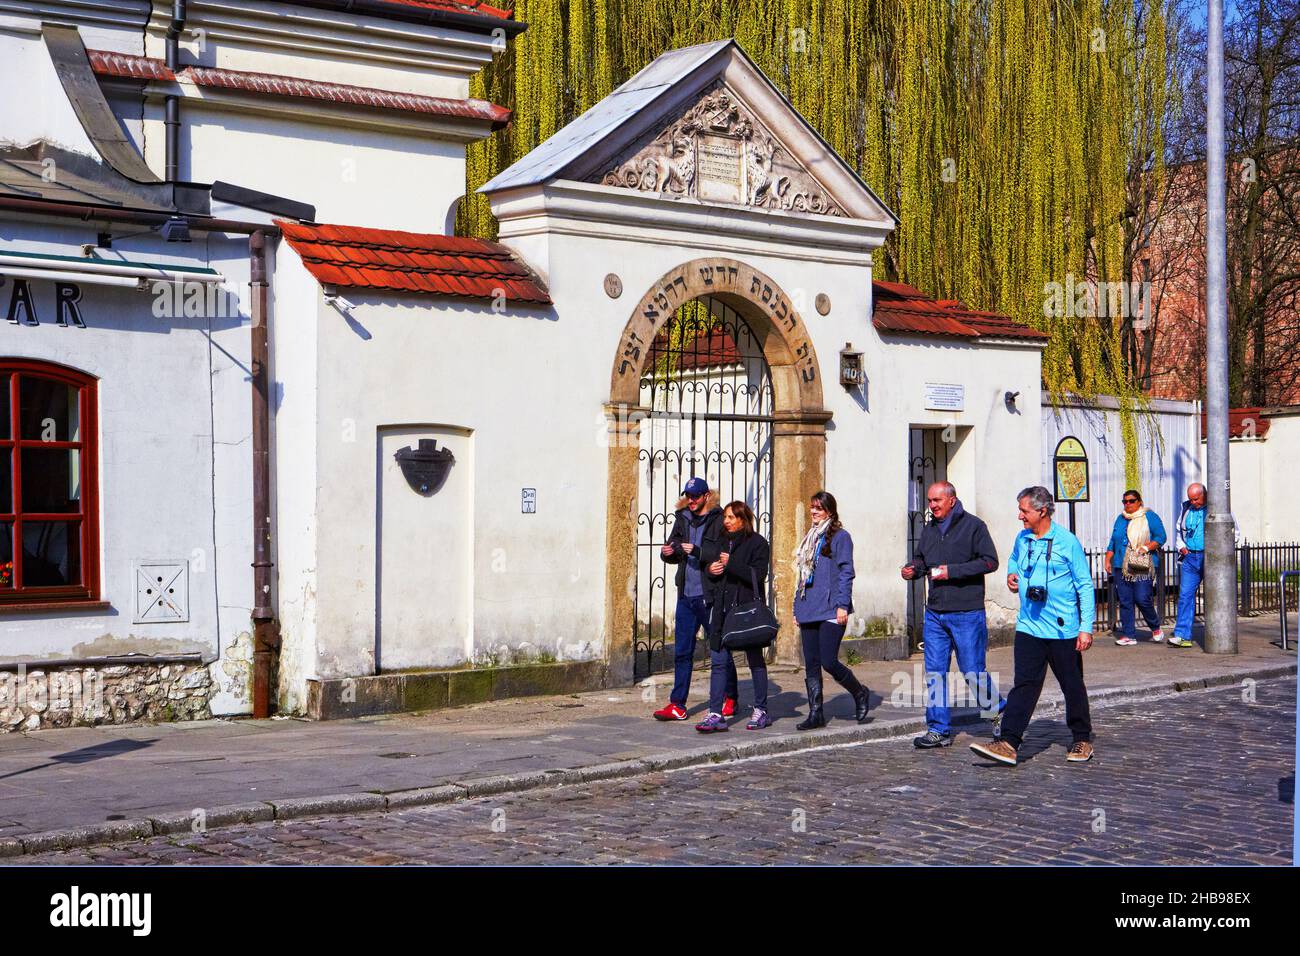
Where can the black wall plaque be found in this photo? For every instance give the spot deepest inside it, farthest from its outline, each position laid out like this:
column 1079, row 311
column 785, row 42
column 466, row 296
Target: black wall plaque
column 425, row 468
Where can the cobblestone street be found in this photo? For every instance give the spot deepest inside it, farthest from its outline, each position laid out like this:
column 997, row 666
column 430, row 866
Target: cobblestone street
column 1203, row 777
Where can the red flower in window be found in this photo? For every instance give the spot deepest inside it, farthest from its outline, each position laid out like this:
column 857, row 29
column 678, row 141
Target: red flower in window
column 6, row 574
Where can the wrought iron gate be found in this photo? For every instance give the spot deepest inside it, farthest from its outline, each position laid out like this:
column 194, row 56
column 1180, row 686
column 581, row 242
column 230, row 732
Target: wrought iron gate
column 708, row 392
column 927, row 463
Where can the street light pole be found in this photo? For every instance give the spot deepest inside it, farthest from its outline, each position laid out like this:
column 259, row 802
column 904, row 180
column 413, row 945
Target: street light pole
column 1220, row 543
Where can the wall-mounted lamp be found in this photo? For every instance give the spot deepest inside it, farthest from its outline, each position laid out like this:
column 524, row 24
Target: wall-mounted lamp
column 851, row 373
column 1010, row 399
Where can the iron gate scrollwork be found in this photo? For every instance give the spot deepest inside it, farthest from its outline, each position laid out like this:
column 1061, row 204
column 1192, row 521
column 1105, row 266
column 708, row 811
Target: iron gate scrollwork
column 707, row 391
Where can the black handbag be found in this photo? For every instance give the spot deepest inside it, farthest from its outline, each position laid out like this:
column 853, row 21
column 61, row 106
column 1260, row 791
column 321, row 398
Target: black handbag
column 751, row 625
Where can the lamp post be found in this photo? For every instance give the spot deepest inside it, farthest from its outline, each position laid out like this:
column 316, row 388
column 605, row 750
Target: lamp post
column 1220, row 546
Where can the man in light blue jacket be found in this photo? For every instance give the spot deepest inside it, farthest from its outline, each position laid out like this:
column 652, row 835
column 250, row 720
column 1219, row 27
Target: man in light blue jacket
column 1049, row 570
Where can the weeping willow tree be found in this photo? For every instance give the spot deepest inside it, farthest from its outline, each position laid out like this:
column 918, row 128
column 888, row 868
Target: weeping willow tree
column 1006, row 134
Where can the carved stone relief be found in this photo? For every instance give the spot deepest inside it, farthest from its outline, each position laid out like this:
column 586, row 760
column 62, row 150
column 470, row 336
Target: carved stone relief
column 719, row 152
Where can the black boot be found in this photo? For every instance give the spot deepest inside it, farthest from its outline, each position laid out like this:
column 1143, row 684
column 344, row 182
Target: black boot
column 861, row 697
column 815, row 716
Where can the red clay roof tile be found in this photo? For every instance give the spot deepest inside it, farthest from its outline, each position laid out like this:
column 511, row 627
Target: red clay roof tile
column 897, row 307
column 387, row 259
column 457, row 6
column 1244, row 423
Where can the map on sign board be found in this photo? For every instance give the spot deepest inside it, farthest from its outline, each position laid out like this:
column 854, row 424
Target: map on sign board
column 1071, row 481
column 1071, row 466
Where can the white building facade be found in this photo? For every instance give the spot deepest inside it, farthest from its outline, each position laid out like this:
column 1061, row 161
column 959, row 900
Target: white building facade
column 467, row 459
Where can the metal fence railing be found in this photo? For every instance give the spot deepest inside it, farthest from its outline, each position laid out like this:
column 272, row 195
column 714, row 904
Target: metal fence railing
column 1259, row 574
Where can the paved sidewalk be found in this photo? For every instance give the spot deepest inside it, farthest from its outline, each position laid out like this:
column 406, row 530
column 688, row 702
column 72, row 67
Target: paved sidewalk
column 873, row 803
column 150, row 778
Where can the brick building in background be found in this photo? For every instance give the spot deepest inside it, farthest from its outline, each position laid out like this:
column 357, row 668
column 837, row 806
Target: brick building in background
column 1177, row 270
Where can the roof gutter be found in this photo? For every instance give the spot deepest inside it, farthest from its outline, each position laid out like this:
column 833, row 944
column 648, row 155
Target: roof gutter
column 477, row 22
column 86, row 213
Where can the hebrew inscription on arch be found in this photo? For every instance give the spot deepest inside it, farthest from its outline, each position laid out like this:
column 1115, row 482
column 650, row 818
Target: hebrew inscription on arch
column 709, row 277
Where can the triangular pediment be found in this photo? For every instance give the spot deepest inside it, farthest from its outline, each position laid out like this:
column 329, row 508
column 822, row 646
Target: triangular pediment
column 719, row 151
column 703, row 123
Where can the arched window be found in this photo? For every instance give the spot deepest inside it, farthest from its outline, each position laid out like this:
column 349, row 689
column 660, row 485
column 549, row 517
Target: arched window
column 49, row 521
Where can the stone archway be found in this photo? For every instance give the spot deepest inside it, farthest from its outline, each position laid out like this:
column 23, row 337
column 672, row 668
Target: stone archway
column 798, row 433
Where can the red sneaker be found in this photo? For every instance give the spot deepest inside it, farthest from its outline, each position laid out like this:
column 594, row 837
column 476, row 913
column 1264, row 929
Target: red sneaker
column 728, row 707
column 671, row 712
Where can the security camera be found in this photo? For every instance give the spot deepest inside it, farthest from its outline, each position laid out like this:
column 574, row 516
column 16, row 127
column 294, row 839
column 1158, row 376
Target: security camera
column 339, row 303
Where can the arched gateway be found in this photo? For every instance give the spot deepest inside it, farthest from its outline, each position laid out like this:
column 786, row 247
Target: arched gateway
column 714, row 374
column 697, row 170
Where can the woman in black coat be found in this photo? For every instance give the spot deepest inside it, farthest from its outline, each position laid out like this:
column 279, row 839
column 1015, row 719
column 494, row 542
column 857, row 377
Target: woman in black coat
column 739, row 571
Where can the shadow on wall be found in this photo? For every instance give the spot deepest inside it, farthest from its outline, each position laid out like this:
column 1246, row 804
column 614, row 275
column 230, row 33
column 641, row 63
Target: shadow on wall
column 358, row 299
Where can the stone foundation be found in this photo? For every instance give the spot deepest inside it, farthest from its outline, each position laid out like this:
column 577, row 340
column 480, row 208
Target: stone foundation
column 85, row 696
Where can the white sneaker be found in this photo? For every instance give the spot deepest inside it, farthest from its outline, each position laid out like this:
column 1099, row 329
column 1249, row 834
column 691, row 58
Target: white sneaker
column 1125, row 641
column 1157, row 637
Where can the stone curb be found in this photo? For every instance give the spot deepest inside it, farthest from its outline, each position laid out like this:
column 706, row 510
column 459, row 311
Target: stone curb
column 296, row 808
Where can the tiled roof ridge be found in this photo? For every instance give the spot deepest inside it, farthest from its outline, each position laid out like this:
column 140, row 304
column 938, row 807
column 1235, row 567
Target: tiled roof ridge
column 133, row 66
column 899, row 307
column 369, row 237
column 399, row 261
column 459, row 6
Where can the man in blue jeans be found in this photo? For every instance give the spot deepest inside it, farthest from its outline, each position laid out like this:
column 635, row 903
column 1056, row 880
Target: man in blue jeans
column 693, row 544
column 956, row 551
column 1191, row 561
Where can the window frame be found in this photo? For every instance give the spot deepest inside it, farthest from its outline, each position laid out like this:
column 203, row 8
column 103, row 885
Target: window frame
column 87, row 517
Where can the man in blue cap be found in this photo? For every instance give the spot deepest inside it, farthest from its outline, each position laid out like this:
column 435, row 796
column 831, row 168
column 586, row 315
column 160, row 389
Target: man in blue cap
column 694, row 543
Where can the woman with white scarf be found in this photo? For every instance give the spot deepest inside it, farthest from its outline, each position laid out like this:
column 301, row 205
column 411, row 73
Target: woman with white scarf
column 1134, row 559
column 823, row 574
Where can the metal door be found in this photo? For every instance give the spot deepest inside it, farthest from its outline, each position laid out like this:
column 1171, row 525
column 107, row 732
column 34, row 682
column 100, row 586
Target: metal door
column 708, row 392
column 927, row 463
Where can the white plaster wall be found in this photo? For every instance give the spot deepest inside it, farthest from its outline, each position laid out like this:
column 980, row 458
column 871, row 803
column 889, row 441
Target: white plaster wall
column 1278, row 502
column 1248, row 463
column 527, row 385
column 232, row 478
column 332, row 46
column 166, row 454
column 425, row 552
column 353, row 177
column 867, row 441
column 1263, row 476
column 43, row 110
column 997, row 458
column 293, row 333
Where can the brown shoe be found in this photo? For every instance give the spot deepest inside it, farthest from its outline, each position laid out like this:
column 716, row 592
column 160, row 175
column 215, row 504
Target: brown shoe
column 1080, row 751
column 998, row 750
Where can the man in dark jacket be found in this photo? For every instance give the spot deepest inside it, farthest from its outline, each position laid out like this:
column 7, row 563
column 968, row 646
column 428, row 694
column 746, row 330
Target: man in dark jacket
column 693, row 544
column 956, row 551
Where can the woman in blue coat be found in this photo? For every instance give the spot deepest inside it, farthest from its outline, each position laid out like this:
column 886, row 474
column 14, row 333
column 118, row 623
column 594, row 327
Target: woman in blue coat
column 1133, row 557
column 823, row 568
